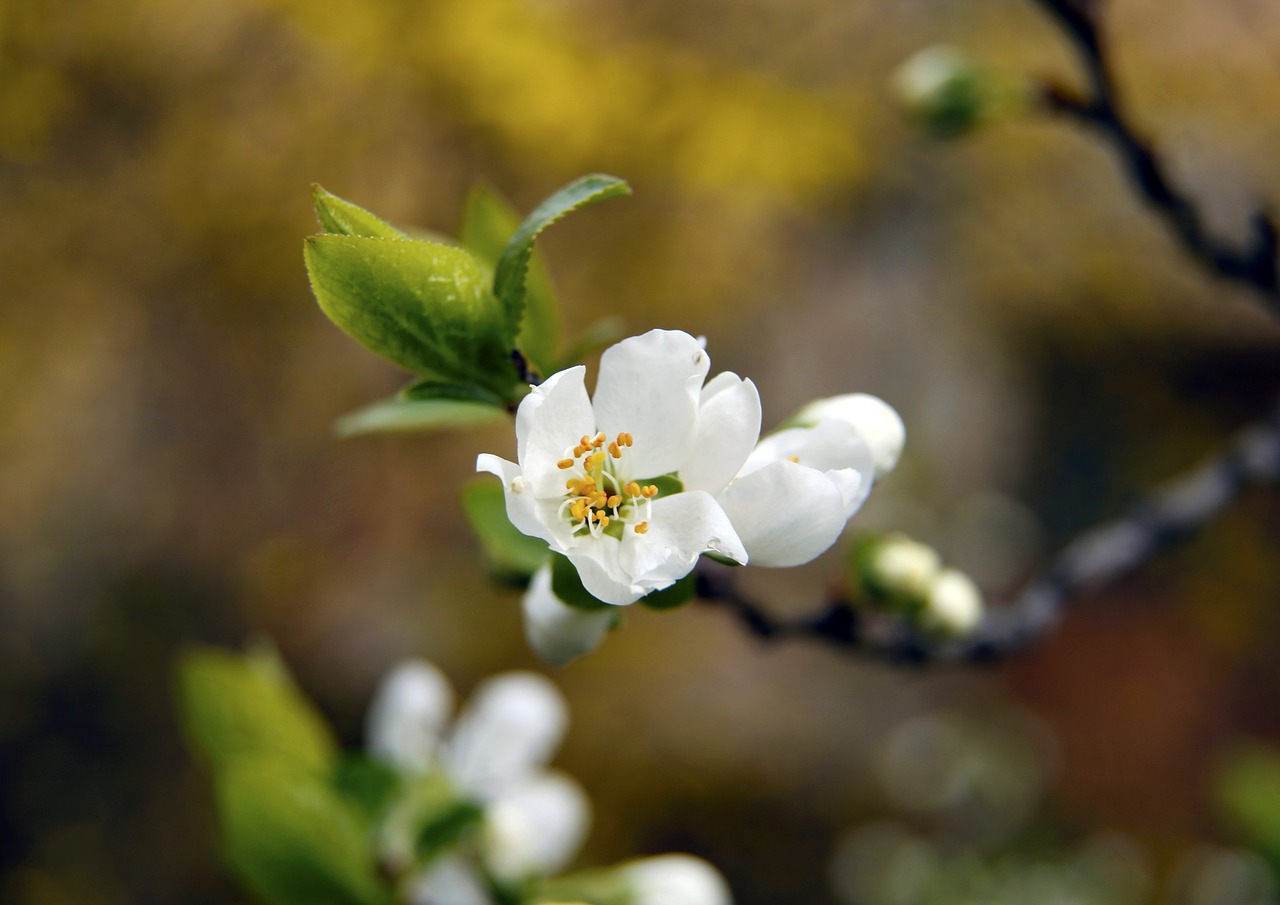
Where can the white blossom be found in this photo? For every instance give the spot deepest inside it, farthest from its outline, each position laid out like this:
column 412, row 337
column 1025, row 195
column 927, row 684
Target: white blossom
column 953, row 604
column 556, row 631
column 675, row 880
column 879, row 425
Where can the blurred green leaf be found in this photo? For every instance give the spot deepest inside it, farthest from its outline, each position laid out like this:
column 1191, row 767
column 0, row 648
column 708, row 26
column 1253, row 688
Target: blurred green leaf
column 488, row 223
column 398, row 414
column 247, row 707
column 510, row 273
column 596, row 335
column 1247, row 788
column 291, row 839
column 566, row 584
column 424, row 306
column 339, row 216
column 513, row 555
column 368, row 785
column 595, row 887
column 670, row 598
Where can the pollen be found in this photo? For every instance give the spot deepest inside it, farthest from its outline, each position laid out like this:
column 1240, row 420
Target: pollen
column 642, row 528
column 650, row 492
column 602, row 519
column 632, row 489
column 615, row 450
column 599, row 440
column 795, row 459
column 625, row 439
column 614, row 501
column 564, row 463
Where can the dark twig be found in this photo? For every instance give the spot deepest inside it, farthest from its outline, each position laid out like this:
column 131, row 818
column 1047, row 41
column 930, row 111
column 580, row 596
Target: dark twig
column 1098, row 557
column 1252, row 263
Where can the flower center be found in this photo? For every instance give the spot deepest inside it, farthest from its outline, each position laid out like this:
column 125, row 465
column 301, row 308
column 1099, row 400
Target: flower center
column 599, row 495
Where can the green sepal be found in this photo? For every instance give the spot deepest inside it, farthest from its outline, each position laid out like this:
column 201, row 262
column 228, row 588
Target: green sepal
column 1247, row 789
column 511, row 272
column 672, row 597
column 422, row 305
column 513, row 556
column 409, row 415
column 488, row 223
column 341, row 217
column 667, row 484
column 291, row 839
column 246, row 707
column 429, row 818
column 368, row 785
column 567, row 585
column 601, row 886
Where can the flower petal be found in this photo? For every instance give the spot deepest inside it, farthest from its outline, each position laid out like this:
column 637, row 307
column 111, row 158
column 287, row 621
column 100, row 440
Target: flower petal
column 827, row 444
column 551, row 419
column 530, row 515
column 649, row 386
column 450, row 881
column 596, row 559
column 727, row 430
column 877, row 421
column 408, row 715
column 537, row 828
column 511, row 725
column 556, row 631
column 676, row 880
column 682, row 527
column 786, row 514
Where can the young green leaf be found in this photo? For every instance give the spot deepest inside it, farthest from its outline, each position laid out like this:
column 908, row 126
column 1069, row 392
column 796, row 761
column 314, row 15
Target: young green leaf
column 237, row 707
column 368, row 785
column 339, row 216
column 488, row 223
column 669, row 598
column 423, row 306
column 406, row 415
column 513, row 556
column 567, row 585
column 510, row 274
column 1247, row 787
column 291, row 839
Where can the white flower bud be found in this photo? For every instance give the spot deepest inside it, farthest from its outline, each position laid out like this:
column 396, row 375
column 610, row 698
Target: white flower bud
column 880, row 427
column 942, row 88
column 905, row 567
column 556, row 631
column 953, row 604
column 676, row 880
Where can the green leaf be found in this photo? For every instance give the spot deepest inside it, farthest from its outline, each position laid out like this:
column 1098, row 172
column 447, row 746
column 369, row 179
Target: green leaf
column 343, row 218
column 596, row 335
column 405, row 415
column 677, row 595
column 446, row 826
column 421, row 390
column 567, row 585
column 488, row 223
column 424, row 306
column 1247, row 788
column 239, row 707
column 601, row 886
column 290, row 838
column 510, row 274
column 514, row 556
column 368, row 785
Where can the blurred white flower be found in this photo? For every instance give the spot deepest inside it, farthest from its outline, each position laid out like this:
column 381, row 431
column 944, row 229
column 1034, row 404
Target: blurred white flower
column 953, row 604
column 675, row 880
column 904, row 566
column 535, row 819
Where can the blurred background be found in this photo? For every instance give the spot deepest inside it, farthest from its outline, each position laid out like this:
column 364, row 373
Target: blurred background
column 168, row 474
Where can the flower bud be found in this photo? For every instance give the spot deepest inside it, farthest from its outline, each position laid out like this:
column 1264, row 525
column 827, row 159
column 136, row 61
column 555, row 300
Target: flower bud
column 942, row 89
column 953, row 604
column 556, row 631
column 675, row 880
column 903, row 568
column 880, row 427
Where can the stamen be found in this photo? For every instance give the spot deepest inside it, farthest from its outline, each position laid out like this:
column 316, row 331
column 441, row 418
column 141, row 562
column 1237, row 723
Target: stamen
column 642, row 528
column 614, row 501
column 599, row 440
column 632, row 489
column 625, row 439
column 615, row 450
column 564, row 463
column 650, row 492
column 795, row 459
column 603, row 520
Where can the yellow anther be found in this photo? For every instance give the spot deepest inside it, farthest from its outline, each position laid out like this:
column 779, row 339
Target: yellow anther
column 614, row 501
column 585, row 441
column 795, row 459
column 578, row 509
column 599, row 498
column 565, row 463
column 570, row 484
column 632, row 489
column 615, row 450
column 599, row 440
column 642, row 528
column 624, row 439
column 602, row 519
column 650, row 492
column 587, row 487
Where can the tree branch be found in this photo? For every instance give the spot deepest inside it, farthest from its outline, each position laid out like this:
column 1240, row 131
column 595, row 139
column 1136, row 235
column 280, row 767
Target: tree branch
column 1100, row 556
column 1252, row 263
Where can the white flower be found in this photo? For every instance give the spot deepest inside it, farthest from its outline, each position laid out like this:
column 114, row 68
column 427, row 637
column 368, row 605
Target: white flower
column 556, row 631
column 953, row 604
column 905, row 566
column 657, row 469
column 585, row 482
column 535, row 819
column 675, row 880
column 879, row 425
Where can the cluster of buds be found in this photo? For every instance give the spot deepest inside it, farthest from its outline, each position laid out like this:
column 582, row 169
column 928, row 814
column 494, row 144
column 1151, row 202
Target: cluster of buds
column 907, row 578
column 945, row 91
